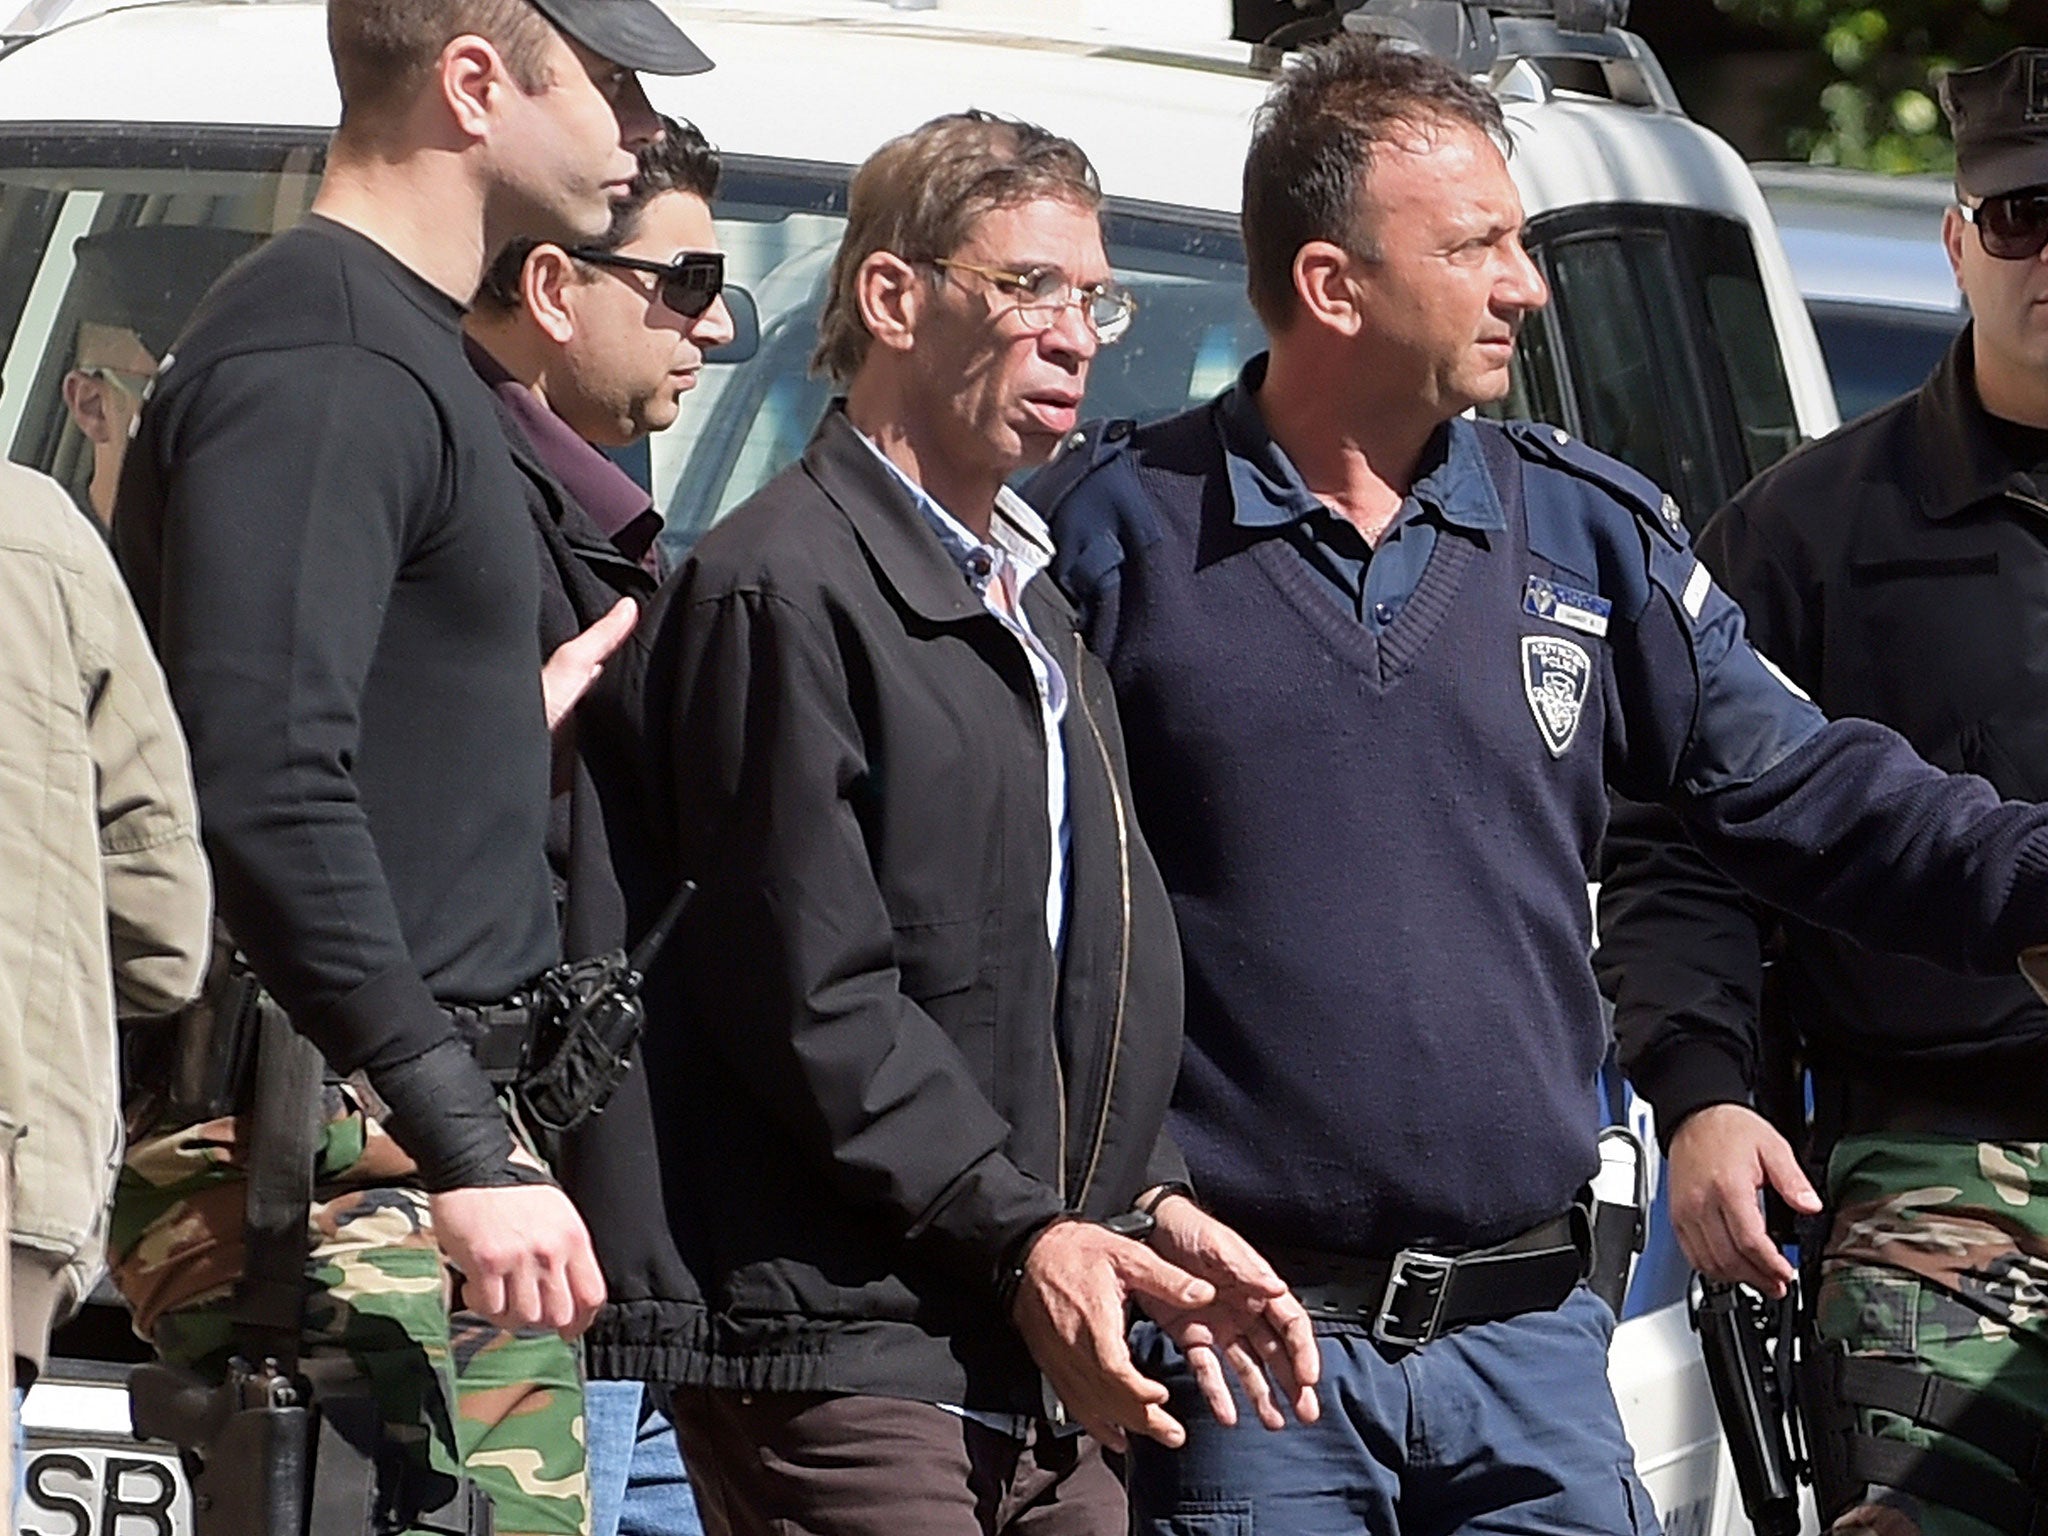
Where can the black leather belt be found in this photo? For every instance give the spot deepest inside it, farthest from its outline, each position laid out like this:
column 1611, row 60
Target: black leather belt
column 496, row 1035
column 1419, row 1295
column 1987, row 1103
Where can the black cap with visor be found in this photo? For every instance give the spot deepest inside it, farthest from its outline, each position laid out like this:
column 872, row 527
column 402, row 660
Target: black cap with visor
column 637, row 34
column 1999, row 115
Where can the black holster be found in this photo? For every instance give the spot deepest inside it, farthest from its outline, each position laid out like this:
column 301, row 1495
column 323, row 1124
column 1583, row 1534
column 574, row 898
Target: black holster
column 271, row 1455
column 2008, row 1494
column 247, row 1445
column 1828, row 1424
column 281, row 1447
column 199, row 1063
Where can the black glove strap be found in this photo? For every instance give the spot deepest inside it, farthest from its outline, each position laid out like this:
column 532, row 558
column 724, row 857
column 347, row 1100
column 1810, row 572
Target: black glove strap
column 441, row 1108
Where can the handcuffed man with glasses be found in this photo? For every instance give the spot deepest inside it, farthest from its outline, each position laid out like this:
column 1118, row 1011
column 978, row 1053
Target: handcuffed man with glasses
column 914, row 1046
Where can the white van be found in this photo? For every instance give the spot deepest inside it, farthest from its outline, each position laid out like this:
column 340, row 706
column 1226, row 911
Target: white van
column 1676, row 340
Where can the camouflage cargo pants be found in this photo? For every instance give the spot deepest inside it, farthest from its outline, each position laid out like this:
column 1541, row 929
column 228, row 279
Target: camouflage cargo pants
column 455, row 1391
column 1938, row 1258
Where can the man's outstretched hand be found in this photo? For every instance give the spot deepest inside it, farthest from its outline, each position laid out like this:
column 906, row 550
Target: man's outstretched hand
column 576, row 663
column 1070, row 1309
column 1254, row 1325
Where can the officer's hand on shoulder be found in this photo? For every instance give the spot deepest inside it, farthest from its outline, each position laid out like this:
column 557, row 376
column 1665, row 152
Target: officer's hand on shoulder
column 524, row 1256
column 1720, row 1159
column 576, row 664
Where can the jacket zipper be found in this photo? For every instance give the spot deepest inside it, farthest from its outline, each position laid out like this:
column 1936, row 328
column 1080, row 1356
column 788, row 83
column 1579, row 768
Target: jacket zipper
column 1059, row 1071
column 1123, row 967
column 1059, row 1083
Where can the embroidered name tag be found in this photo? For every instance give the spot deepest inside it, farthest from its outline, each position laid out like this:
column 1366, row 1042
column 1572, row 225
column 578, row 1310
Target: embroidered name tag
column 1697, row 586
column 1568, row 606
column 1555, row 676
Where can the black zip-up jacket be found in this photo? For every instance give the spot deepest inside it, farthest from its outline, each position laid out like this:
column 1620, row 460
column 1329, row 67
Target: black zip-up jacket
column 1896, row 570
column 599, row 850
column 872, row 1078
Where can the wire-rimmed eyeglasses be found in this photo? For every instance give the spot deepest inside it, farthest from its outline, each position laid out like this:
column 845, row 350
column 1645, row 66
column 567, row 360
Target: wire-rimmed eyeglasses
column 1043, row 294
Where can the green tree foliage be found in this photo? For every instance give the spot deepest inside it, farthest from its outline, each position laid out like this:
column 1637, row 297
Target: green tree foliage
column 1868, row 96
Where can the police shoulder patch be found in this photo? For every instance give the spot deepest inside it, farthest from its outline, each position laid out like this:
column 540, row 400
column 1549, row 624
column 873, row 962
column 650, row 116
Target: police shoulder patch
column 1556, row 674
column 1638, row 492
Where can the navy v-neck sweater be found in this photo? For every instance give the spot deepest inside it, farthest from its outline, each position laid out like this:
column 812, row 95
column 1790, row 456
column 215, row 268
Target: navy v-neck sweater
column 1378, row 846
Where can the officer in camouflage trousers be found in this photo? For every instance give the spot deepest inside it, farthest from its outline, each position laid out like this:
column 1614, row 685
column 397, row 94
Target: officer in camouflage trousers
column 1909, row 600
column 325, row 534
column 1938, row 1256
column 506, row 1405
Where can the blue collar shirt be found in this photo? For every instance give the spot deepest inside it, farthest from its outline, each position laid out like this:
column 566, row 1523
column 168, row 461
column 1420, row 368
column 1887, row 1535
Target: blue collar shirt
column 1018, row 549
column 1452, row 489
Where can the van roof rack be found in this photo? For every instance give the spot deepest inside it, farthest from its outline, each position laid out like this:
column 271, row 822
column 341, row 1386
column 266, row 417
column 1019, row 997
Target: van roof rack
column 1493, row 37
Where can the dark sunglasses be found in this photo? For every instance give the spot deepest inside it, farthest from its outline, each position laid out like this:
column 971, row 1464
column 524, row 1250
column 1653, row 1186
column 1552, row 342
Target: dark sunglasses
column 2014, row 225
column 689, row 285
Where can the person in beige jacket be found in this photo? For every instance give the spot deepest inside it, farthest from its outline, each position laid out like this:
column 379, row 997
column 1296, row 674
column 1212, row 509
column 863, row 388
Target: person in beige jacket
column 105, row 901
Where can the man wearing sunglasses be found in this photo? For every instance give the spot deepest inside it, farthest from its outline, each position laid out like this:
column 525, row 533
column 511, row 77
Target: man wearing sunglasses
column 586, row 348
column 1896, row 570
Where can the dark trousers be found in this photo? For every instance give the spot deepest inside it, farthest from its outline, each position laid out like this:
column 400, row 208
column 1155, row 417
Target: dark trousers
column 810, row 1464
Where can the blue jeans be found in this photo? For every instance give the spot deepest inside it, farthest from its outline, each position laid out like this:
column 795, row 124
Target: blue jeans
column 1507, row 1428
column 637, row 1483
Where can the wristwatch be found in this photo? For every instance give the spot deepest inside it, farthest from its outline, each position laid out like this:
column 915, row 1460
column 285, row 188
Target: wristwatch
column 1142, row 1219
column 1135, row 1224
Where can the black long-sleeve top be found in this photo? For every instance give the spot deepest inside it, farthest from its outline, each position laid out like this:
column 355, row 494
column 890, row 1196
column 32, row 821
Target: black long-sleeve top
column 328, row 541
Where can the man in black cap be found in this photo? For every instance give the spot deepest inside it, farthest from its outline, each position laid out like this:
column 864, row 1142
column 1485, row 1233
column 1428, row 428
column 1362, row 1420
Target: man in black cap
column 326, row 536
column 1896, row 570
column 131, row 290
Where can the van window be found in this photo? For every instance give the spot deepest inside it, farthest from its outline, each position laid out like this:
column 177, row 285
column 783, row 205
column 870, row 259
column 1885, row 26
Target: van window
column 105, row 245
column 1877, row 352
column 1658, row 348
column 1632, row 396
column 102, row 235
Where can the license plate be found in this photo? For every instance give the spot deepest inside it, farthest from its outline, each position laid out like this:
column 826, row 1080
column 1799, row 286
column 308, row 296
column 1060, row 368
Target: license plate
column 91, row 1490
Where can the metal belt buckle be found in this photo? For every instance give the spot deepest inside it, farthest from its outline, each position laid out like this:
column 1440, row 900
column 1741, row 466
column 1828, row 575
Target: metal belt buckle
column 1411, row 1272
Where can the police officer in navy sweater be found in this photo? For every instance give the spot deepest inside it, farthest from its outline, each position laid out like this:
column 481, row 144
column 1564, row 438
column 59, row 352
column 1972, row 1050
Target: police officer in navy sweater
column 1379, row 666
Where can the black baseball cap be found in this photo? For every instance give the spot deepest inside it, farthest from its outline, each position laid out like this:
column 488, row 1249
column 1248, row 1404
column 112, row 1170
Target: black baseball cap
column 1999, row 116
column 635, row 33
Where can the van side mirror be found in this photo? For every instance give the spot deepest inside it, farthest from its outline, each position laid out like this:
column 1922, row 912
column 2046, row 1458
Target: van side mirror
column 746, row 327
